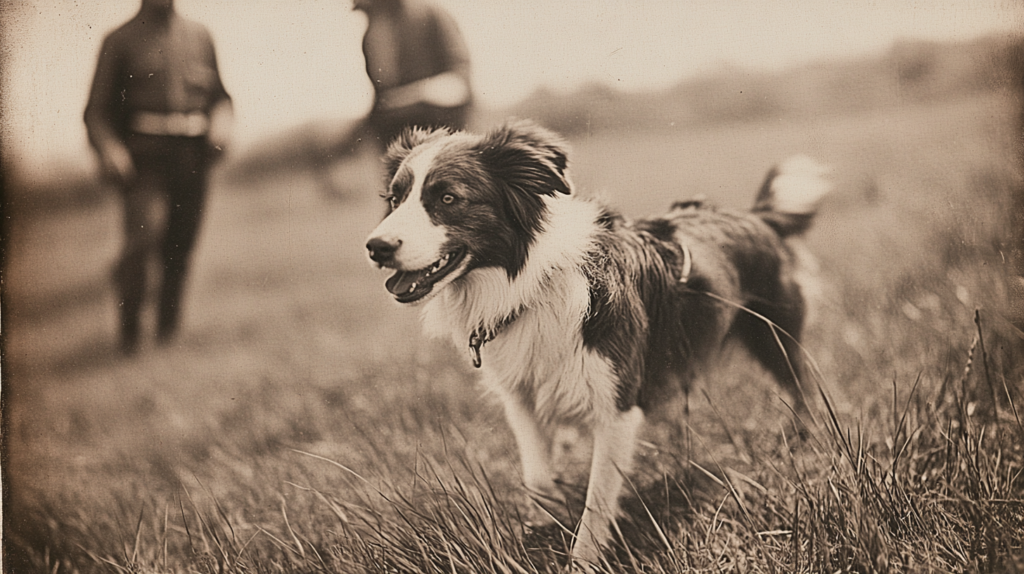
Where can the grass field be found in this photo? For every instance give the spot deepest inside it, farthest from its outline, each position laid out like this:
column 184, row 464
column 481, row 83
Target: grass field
column 302, row 424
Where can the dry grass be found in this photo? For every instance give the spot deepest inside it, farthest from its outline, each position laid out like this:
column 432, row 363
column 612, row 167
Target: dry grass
column 302, row 424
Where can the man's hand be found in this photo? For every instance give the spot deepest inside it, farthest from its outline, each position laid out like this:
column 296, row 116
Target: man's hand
column 221, row 125
column 445, row 90
column 117, row 164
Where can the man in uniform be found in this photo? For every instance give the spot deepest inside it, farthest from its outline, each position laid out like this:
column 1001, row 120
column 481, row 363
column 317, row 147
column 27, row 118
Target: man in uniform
column 158, row 117
column 419, row 66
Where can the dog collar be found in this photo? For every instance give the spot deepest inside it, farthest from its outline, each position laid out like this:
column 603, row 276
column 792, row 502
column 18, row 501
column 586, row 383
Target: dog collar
column 481, row 336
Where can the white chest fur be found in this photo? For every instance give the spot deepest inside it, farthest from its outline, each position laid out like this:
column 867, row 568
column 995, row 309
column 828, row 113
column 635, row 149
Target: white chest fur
column 542, row 360
column 540, row 357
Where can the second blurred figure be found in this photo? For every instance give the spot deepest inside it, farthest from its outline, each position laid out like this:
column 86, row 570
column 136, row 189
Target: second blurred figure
column 419, row 66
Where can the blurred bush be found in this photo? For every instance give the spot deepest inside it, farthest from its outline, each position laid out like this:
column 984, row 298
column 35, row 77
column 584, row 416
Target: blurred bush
column 910, row 72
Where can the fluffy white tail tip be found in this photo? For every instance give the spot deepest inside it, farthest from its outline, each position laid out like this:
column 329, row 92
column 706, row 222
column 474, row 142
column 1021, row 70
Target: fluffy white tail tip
column 799, row 185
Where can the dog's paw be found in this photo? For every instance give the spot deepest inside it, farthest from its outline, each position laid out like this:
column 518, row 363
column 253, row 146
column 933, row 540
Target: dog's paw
column 543, row 506
column 537, row 518
column 586, row 557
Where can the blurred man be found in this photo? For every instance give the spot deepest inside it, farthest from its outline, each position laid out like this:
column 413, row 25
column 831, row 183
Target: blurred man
column 419, row 66
column 158, row 116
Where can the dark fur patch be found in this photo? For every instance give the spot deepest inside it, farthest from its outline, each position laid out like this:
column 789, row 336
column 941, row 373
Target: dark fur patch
column 634, row 317
column 499, row 181
column 527, row 163
column 657, row 331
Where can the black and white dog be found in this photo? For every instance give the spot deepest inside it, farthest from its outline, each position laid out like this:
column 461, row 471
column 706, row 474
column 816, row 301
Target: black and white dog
column 575, row 314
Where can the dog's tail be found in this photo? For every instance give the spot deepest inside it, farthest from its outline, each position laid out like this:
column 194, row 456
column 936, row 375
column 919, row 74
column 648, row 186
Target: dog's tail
column 790, row 195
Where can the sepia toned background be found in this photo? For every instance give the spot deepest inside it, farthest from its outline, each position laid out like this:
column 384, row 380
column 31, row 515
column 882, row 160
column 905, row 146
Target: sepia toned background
column 205, row 455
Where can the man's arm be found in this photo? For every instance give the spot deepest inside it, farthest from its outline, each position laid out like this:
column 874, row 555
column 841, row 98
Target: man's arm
column 446, row 90
column 222, row 112
column 102, row 122
column 222, row 120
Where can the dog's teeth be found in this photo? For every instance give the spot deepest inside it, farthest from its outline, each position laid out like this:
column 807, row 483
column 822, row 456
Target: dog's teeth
column 412, row 288
column 444, row 261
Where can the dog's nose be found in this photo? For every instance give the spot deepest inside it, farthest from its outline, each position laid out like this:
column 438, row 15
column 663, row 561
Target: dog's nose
column 382, row 250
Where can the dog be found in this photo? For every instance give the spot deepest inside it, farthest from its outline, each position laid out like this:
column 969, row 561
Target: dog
column 574, row 314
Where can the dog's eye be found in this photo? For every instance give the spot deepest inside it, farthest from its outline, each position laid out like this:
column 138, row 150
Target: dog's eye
column 447, row 199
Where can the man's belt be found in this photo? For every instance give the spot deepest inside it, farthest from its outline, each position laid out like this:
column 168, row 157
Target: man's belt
column 174, row 124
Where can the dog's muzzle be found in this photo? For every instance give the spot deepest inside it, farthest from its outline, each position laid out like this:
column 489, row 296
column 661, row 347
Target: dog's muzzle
column 410, row 285
column 382, row 251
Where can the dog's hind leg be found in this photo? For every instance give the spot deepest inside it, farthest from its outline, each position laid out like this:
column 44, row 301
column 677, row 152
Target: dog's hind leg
column 535, row 444
column 614, row 443
column 677, row 411
column 776, row 346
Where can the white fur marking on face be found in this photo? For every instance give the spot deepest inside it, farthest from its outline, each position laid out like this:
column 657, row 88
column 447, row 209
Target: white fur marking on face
column 410, row 225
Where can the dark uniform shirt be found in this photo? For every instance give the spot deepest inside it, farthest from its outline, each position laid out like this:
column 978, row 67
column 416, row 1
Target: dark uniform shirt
column 152, row 67
column 410, row 41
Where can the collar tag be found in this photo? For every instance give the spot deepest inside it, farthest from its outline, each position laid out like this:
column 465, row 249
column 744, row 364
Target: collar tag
column 475, row 342
column 480, row 335
column 684, row 273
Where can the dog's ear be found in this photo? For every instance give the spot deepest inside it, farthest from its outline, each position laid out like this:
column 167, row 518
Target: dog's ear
column 527, row 157
column 404, row 143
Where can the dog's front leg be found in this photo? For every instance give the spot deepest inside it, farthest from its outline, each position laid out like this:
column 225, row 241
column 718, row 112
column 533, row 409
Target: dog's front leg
column 614, row 443
column 534, row 443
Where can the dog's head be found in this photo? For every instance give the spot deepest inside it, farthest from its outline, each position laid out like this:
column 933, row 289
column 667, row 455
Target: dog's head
column 460, row 202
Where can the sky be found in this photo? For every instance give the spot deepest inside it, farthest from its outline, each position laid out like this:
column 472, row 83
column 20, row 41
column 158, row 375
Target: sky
column 291, row 62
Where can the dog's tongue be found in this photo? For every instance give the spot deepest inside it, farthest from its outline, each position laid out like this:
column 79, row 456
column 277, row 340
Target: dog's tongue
column 401, row 281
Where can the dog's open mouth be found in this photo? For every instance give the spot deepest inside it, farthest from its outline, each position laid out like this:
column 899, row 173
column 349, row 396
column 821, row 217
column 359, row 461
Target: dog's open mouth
column 410, row 286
